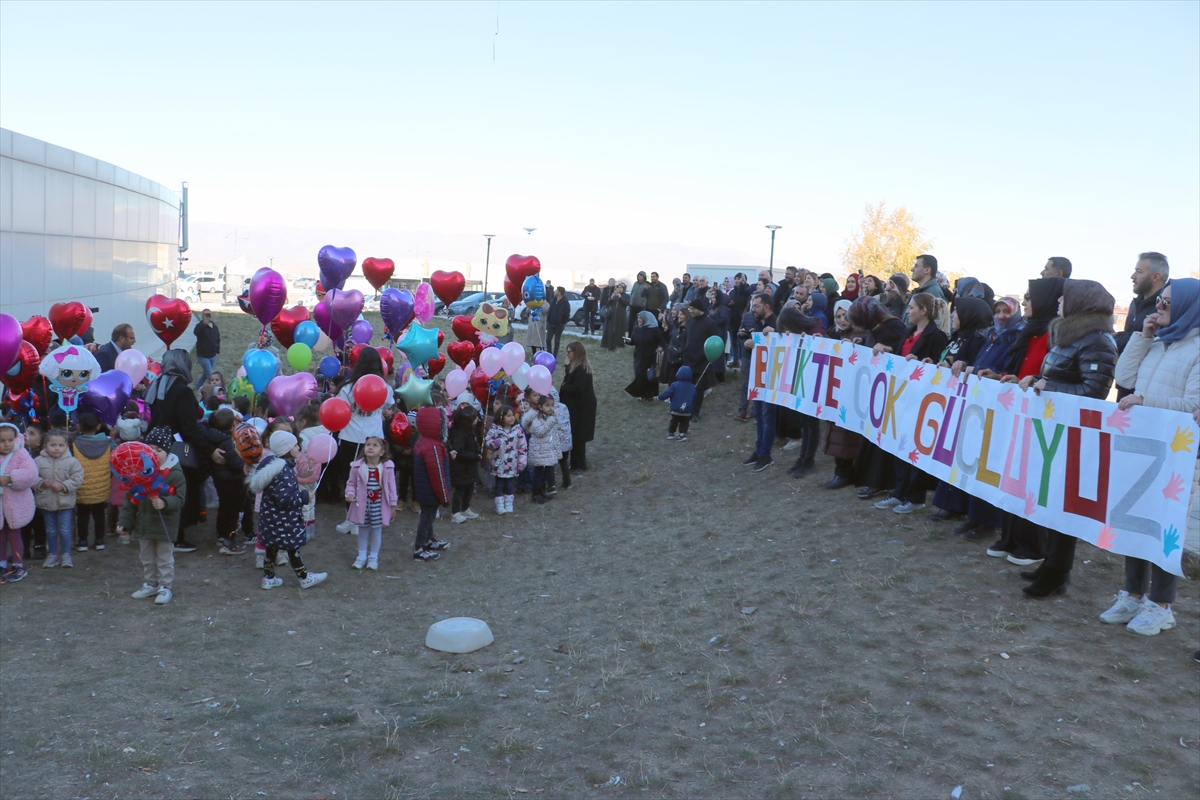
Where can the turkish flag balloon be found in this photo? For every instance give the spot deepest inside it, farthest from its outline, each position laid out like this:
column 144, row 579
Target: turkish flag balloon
column 168, row 318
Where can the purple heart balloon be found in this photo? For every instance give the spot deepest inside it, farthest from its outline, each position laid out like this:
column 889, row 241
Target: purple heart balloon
column 288, row 393
column 10, row 341
column 361, row 332
column 344, row 306
column 396, row 308
column 336, row 264
column 324, row 319
column 546, row 360
column 268, row 294
column 107, row 395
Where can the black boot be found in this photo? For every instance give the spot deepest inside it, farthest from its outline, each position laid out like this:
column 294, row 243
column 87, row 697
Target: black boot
column 1032, row 574
column 838, row 482
column 1050, row 582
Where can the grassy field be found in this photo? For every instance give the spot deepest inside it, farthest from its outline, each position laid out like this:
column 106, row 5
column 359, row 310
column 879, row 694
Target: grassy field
column 670, row 626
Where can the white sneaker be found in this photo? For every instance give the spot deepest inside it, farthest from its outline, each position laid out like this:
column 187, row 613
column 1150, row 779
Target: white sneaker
column 908, row 508
column 164, row 596
column 50, row 562
column 469, row 514
column 66, row 561
column 889, row 502
column 346, row 526
column 373, row 563
column 271, row 583
column 458, row 518
column 508, row 501
column 313, row 579
column 281, row 558
column 259, row 558
column 500, row 509
column 1151, row 619
column 995, row 552
column 1022, row 562
column 146, row 591
column 1123, row 610
column 358, row 563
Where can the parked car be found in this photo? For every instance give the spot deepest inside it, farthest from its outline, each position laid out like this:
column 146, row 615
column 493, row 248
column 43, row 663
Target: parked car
column 201, row 284
column 468, row 304
column 575, row 299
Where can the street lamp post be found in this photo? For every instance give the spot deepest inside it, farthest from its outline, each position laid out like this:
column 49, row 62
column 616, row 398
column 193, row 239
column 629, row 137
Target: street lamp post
column 487, row 262
column 771, row 263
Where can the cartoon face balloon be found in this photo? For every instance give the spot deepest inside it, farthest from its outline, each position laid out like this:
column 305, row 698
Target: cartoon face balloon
column 136, row 464
column 533, row 292
column 491, row 320
column 69, row 368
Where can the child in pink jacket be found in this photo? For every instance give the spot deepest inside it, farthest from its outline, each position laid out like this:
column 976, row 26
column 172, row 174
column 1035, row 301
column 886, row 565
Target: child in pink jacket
column 371, row 493
column 18, row 476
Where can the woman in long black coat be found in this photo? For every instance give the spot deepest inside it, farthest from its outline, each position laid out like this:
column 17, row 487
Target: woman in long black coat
column 614, row 325
column 647, row 340
column 577, row 392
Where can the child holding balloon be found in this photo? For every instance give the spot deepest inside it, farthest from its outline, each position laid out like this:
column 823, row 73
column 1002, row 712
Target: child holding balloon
column 367, row 394
column 371, row 493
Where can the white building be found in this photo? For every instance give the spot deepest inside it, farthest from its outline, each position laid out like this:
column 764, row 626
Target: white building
column 73, row 227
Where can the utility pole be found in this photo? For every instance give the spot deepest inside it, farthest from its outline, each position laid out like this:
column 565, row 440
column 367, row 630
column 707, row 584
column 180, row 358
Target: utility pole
column 771, row 263
column 487, row 261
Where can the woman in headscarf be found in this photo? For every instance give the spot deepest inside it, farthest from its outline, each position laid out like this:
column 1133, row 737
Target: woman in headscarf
column 1023, row 542
column 874, row 468
column 817, row 308
column 1082, row 361
column 841, row 328
column 850, row 290
column 1006, row 323
column 648, row 340
column 1162, row 363
column 841, row 444
column 173, row 405
column 830, row 288
column 614, row 321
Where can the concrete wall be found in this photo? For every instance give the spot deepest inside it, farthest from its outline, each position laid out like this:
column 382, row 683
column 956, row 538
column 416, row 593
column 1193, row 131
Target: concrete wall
column 73, row 227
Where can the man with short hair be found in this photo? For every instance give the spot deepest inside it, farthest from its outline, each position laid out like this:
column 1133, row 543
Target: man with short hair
column 895, row 295
column 556, row 320
column 764, row 413
column 785, row 288
column 739, row 304
column 637, row 301
column 1057, row 267
column 208, row 346
column 924, row 278
column 765, row 275
column 591, row 303
column 656, row 295
column 123, row 338
column 1150, row 276
column 700, row 327
column 680, row 293
column 800, row 295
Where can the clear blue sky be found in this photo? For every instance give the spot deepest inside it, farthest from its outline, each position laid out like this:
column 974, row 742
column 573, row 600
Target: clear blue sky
column 1014, row 131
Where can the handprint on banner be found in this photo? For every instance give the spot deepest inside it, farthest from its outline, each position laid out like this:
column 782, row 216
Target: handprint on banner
column 842, row 413
column 1005, row 399
column 1030, row 504
column 1105, row 540
column 952, row 384
column 1174, row 487
column 937, row 377
column 875, row 360
column 1048, row 411
column 888, row 366
column 1170, row 541
column 1118, row 420
column 854, row 357
column 914, row 457
column 917, row 373
column 1182, row 441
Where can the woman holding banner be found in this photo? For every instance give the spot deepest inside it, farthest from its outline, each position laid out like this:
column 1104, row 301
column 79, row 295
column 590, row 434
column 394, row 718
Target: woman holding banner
column 872, row 466
column 1082, row 361
column 1163, row 366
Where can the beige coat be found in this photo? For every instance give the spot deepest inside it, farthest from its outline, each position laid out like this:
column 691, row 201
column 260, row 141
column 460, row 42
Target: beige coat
column 1164, row 377
column 67, row 471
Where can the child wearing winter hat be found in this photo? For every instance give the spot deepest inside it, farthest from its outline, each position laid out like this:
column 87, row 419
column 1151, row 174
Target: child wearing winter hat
column 682, row 394
column 281, row 520
column 431, row 477
column 153, row 521
column 18, row 476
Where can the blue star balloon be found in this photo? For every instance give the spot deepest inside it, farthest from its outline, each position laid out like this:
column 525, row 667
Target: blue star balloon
column 419, row 344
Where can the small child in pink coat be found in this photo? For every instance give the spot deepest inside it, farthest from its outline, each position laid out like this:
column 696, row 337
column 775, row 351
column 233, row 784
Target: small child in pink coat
column 18, row 476
column 371, row 493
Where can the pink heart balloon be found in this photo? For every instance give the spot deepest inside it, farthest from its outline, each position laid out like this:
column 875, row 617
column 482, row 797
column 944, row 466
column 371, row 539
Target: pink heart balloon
column 344, row 306
column 288, row 393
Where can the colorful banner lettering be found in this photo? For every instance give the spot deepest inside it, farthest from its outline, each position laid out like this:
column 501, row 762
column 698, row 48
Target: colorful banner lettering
column 1120, row 480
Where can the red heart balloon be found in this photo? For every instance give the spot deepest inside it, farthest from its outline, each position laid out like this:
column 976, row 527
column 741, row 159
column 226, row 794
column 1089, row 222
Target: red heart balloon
column 285, row 322
column 441, row 337
column 70, row 319
column 378, row 271
column 461, row 353
column 389, row 361
column 21, row 374
column 400, row 431
column 479, row 382
column 37, row 331
column 448, row 286
column 464, row 330
column 168, row 318
column 512, row 290
column 355, row 352
column 519, row 268
column 435, row 365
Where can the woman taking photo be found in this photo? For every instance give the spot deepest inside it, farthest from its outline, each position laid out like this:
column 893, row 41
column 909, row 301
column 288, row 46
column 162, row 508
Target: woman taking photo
column 579, row 397
column 1162, row 363
column 1081, row 361
column 614, row 324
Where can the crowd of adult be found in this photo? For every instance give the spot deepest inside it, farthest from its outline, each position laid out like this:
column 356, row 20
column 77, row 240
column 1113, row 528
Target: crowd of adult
column 1057, row 337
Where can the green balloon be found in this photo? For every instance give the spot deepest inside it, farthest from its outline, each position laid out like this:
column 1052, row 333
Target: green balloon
column 714, row 348
column 415, row 391
column 299, row 356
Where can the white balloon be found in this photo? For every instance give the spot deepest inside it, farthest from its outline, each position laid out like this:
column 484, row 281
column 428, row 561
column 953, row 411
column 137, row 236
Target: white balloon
column 521, row 377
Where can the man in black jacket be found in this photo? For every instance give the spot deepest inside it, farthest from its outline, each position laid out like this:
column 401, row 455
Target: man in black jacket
column 556, row 320
column 1150, row 277
column 591, row 304
column 208, row 346
column 739, row 304
column 123, row 338
column 764, row 413
column 656, row 295
column 699, row 327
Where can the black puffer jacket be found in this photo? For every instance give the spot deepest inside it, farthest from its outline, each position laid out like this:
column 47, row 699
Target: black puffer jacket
column 1083, row 356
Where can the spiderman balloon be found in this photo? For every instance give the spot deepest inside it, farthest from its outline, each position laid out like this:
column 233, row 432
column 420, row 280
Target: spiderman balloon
column 136, row 465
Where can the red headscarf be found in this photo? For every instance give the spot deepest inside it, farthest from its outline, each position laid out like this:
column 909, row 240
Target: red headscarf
column 847, row 292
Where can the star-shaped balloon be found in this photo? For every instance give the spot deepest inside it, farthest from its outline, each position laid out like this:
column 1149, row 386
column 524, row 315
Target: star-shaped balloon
column 415, row 391
column 419, row 344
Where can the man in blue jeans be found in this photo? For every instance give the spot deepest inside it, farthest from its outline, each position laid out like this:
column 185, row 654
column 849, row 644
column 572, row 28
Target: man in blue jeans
column 764, row 413
column 208, row 346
